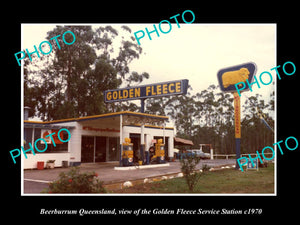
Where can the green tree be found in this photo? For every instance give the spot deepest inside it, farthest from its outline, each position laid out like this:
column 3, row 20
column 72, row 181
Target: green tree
column 181, row 108
column 70, row 81
column 251, row 124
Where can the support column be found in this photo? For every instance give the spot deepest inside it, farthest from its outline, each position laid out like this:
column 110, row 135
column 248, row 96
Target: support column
column 143, row 105
column 211, row 154
column 147, row 146
column 94, row 158
column 107, row 149
column 32, row 138
column 171, row 147
column 142, row 143
column 164, row 126
column 121, row 139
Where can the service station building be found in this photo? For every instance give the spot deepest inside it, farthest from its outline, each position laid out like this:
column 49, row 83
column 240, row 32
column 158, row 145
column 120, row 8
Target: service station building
column 97, row 138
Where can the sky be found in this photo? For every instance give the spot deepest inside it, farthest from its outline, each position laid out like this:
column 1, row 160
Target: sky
column 194, row 51
column 197, row 52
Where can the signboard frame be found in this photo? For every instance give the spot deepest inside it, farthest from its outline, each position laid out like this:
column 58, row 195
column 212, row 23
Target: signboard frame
column 245, row 73
column 252, row 68
column 162, row 89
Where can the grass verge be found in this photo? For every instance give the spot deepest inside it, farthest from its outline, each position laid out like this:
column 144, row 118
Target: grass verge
column 220, row 181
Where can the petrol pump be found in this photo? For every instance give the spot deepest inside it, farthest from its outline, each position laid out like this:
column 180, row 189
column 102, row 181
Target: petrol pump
column 127, row 156
column 160, row 151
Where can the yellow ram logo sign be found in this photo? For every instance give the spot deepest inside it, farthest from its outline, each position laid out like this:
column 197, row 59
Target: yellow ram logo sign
column 233, row 77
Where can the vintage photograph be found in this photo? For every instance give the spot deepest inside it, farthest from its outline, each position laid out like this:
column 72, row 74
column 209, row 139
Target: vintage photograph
column 171, row 108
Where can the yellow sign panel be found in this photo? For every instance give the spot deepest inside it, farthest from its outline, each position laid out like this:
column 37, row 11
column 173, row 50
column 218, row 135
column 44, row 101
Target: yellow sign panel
column 233, row 77
column 237, row 115
column 147, row 91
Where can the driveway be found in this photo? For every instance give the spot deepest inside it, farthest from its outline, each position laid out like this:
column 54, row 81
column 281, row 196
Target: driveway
column 36, row 180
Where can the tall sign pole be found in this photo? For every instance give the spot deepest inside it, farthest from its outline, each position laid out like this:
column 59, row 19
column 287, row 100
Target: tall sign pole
column 142, row 105
column 242, row 74
column 237, row 125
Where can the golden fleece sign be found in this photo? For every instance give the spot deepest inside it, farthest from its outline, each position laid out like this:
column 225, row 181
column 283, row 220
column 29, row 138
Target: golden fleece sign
column 176, row 87
column 233, row 79
column 230, row 76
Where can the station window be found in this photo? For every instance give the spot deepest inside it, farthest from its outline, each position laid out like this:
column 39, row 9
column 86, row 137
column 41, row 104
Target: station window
column 60, row 148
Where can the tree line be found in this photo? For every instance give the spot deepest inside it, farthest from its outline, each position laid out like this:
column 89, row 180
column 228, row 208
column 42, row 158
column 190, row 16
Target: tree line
column 208, row 118
column 70, row 82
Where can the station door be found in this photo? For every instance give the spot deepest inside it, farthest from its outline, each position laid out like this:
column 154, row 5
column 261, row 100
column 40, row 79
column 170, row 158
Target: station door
column 99, row 149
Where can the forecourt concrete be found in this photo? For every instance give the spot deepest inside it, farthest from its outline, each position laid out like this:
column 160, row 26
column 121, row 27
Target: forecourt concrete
column 109, row 175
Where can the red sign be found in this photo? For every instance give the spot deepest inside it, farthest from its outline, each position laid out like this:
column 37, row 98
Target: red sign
column 45, row 133
column 101, row 129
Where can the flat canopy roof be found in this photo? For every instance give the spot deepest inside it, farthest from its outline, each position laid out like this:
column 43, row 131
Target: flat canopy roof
column 181, row 141
column 128, row 118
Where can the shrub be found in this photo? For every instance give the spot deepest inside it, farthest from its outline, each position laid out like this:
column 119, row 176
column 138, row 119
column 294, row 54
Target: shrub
column 205, row 167
column 75, row 182
column 188, row 166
